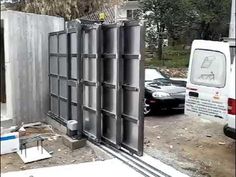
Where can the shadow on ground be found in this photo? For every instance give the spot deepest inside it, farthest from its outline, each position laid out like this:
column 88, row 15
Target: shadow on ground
column 166, row 113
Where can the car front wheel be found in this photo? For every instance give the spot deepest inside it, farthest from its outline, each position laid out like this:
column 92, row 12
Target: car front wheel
column 147, row 108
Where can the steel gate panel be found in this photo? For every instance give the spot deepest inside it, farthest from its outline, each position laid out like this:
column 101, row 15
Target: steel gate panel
column 53, row 75
column 58, row 75
column 90, row 56
column 75, row 75
column 96, row 76
column 63, row 61
column 110, row 92
column 132, row 87
column 62, row 72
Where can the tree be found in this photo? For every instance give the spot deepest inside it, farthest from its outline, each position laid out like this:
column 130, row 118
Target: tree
column 179, row 19
column 68, row 9
column 166, row 15
column 212, row 18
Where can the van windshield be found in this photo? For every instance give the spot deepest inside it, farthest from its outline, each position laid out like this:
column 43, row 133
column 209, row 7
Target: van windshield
column 208, row 68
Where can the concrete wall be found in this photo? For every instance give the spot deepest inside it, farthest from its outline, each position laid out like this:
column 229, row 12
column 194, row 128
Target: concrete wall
column 26, row 62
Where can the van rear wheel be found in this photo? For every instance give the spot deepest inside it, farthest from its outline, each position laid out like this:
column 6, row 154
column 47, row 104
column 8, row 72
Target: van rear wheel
column 230, row 132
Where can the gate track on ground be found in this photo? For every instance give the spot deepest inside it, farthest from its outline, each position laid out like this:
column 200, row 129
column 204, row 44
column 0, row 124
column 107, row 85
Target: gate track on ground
column 132, row 161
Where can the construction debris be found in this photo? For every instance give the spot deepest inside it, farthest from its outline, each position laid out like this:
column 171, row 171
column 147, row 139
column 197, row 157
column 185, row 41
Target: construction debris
column 221, row 143
column 32, row 124
column 175, row 72
column 33, row 154
column 9, row 142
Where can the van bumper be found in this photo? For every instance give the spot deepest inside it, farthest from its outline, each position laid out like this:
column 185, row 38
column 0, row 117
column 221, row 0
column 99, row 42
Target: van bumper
column 230, row 132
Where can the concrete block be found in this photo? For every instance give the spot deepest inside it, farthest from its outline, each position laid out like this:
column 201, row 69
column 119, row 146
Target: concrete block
column 72, row 143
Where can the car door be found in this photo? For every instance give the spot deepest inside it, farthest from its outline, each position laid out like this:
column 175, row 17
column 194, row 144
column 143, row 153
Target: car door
column 207, row 83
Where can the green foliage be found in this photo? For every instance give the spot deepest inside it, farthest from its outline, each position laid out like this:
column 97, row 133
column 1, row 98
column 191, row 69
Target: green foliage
column 165, row 16
column 173, row 57
column 209, row 18
column 211, row 11
column 68, row 9
column 178, row 18
column 212, row 17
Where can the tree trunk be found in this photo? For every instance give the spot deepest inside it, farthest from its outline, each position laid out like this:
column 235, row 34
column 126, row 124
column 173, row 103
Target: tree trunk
column 204, row 31
column 160, row 42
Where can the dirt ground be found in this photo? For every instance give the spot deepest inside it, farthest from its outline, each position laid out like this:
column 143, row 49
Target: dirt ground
column 61, row 155
column 194, row 146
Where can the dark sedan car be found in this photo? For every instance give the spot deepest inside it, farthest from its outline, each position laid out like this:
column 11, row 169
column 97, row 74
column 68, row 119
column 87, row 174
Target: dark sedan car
column 162, row 92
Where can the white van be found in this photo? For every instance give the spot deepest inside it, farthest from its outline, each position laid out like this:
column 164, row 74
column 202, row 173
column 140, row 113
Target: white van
column 210, row 90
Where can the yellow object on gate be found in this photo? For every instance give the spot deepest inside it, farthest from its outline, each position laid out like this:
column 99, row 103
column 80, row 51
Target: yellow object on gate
column 102, row 16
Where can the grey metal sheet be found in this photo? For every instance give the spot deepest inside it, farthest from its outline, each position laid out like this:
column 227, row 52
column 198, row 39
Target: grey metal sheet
column 131, row 103
column 91, row 81
column 110, row 95
column 74, row 112
column 53, row 65
column 90, row 123
column 63, row 88
column 54, row 85
column 58, row 75
column 90, row 69
column 63, row 109
column 74, row 93
column 131, row 70
column 74, row 77
column 109, row 128
column 133, row 87
column 109, row 101
column 62, row 43
column 89, row 99
column 74, row 68
column 63, row 66
column 53, row 43
column 54, row 105
column 74, row 43
column 110, row 71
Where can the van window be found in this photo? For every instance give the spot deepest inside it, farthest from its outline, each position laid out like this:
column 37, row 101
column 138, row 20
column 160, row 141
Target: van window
column 208, row 68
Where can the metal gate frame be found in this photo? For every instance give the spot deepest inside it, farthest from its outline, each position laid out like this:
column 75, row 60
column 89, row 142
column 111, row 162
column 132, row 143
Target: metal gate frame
column 109, row 82
column 72, row 79
column 90, row 56
column 75, row 89
column 55, row 76
column 132, row 82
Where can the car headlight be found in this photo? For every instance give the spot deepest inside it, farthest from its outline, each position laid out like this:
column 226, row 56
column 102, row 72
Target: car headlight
column 160, row 94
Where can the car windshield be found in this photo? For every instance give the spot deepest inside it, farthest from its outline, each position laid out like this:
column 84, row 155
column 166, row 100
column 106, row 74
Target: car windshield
column 151, row 74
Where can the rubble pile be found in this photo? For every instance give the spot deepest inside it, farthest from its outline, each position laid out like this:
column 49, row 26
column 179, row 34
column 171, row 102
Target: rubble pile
column 175, row 72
